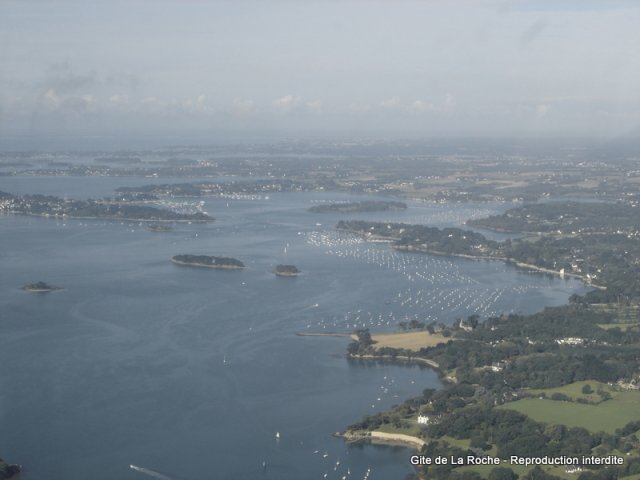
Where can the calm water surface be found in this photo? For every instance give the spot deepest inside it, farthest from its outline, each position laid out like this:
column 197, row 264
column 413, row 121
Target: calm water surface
column 190, row 372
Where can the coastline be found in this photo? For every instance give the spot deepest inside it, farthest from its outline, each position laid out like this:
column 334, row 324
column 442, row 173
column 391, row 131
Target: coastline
column 382, row 438
column 526, row 266
column 444, row 376
column 583, row 278
column 402, row 358
column 397, row 439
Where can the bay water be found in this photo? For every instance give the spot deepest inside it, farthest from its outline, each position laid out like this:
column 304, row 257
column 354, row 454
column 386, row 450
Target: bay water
column 193, row 374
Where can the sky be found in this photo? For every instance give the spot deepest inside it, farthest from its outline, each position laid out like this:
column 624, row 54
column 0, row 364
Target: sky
column 430, row 68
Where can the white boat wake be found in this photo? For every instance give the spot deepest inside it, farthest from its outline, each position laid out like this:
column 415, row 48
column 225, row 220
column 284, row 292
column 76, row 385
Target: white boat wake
column 151, row 473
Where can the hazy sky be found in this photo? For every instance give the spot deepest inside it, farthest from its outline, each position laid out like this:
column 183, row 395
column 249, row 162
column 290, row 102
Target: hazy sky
column 426, row 68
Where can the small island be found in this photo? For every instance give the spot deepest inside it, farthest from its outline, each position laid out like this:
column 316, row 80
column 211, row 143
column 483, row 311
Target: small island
column 286, row 271
column 358, row 207
column 208, row 261
column 8, row 471
column 40, row 287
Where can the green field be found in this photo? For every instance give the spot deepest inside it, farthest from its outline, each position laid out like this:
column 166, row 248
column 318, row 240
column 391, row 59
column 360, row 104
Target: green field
column 457, row 442
column 574, row 391
column 413, row 429
column 606, row 416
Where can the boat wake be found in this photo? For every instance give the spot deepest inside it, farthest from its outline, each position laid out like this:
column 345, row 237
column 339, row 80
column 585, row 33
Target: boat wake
column 151, row 473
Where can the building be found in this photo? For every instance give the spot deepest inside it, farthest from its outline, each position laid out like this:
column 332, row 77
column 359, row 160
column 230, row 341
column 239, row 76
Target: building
column 423, row 419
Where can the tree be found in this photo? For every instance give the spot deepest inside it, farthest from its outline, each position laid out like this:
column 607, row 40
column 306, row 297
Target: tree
column 538, row 474
column 477, row 441
column 586, row 389
column 473, row 320
column 364, row 337
column 502, row 473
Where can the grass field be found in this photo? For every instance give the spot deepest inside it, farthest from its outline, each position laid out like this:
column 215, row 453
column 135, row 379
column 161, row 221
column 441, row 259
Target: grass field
column 574, row 391
column 606, row 416
column 410, row 340
column 623, row 407
column 458, row 442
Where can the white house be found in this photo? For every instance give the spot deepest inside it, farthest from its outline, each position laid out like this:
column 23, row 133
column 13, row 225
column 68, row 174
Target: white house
column 423, row 419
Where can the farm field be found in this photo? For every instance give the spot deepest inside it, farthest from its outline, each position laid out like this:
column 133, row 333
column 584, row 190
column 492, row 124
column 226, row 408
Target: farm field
column 607, row 416
column 409, row 340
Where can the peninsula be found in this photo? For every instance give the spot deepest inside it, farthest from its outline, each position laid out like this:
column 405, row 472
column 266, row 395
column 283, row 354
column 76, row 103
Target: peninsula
column 560, row 382
column 207, row 261
column 585, row 256
column 286, row 271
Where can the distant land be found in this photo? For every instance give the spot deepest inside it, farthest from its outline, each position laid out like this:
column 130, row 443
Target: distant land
column 437, row 171
column 358, row 207
column 50, row 206
column 287, row 271
column 40, row 287
column 565, row 217
column 207, row 261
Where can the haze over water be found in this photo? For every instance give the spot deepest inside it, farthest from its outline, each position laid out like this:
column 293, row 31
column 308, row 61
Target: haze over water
column 191, row 372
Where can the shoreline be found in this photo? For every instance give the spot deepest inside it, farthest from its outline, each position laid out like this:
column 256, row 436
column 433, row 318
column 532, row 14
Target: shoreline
column 582, row 278
column 382, row 438
column 397, row 439
column 526, row 266
column 508, row 261
column 443, row 376
column 402, row 358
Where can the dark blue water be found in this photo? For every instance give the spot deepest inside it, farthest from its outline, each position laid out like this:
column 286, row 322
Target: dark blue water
column 191, row 372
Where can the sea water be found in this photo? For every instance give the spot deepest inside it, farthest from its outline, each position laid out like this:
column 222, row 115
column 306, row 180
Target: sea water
column 140, row 367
